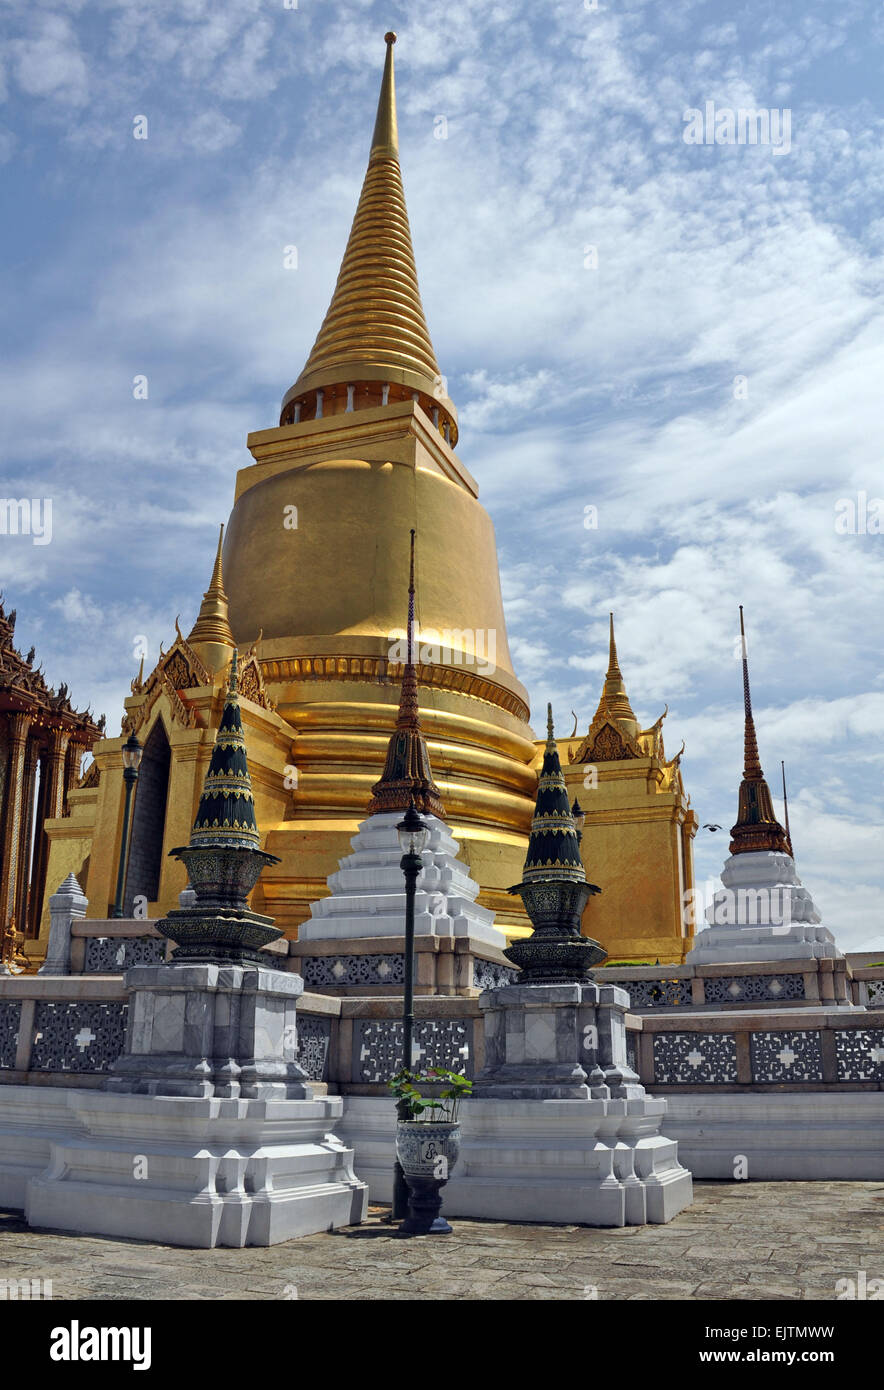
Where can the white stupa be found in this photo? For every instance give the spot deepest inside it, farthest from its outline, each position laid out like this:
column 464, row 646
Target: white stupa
column 763, row 912
column 368, row 891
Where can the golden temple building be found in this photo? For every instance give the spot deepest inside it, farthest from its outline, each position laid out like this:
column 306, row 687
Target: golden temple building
column 308, row 587
column 639, row 831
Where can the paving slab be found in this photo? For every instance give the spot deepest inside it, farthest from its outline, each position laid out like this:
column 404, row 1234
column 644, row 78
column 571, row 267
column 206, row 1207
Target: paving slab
column 755, row 1241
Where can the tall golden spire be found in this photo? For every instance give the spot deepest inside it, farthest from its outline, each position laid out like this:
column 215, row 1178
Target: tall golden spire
column 614, row 701
column 385, row 140
column 210, row 635
column 757, row 827
column 374, row 346
column 407, row 777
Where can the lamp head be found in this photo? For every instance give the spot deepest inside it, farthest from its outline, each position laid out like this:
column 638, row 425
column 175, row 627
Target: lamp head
column 132, row 752
column 413, row 832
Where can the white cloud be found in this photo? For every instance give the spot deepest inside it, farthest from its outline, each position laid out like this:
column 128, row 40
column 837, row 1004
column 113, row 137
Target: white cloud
column 49, row 63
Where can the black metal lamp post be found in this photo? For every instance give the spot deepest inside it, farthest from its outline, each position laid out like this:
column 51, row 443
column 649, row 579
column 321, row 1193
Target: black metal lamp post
column 131, row 751
column 413, row 837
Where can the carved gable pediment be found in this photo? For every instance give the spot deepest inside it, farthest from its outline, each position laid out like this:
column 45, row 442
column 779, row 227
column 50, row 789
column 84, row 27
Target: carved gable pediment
column 177, row 671
column 158, row 684
column 182, row 668
column 605, row 743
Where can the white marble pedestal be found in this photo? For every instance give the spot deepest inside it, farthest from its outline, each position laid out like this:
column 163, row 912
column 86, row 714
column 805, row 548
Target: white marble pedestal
column 198, row 1172
column 560, row 1128
column 208, row 1131
column 581, row 1162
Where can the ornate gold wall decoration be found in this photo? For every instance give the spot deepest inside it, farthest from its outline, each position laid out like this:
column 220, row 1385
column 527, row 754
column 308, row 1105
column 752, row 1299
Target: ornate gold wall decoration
column 251, row 683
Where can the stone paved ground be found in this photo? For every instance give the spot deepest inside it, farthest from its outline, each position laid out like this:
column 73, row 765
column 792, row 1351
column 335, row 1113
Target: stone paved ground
column 787, row 1240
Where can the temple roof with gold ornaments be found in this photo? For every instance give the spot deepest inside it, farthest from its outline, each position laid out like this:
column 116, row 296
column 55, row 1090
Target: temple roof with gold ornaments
column 212, row 626
column 614, row 733
column 23, row 689
column 196, row 661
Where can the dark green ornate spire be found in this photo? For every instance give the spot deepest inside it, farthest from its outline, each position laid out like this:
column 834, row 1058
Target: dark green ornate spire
column 553, row 849
column 554, row 887
column 757, row 827
column 225, row 817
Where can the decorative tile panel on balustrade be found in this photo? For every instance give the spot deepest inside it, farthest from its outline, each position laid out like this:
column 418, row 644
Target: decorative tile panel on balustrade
column 658, row 993
column 860, row 1054
column 844, row 1052
column 753, row 989
column 774, row 984
column 375, row 966
column 314, row 1045
column 489, row 974
column 109, row 946
column 110, row 955
column 377, row 1049
column 694, row 1059
column 78, row 1035
column 319, row 971
column 10, row 1023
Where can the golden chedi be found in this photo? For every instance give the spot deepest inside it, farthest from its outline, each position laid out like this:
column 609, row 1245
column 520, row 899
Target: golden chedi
column 309, row 589
column 316, row 559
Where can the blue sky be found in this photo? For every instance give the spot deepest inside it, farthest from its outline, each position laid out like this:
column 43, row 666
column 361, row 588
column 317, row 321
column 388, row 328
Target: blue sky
column 611, row 386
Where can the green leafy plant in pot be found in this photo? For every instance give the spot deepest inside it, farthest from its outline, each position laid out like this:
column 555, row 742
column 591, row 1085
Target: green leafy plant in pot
column 427, row 1142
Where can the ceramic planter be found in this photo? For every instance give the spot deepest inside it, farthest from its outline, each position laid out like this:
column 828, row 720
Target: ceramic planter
column 427, row 1151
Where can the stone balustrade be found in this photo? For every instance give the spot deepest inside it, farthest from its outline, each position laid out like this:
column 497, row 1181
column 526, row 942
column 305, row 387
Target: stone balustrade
column 68, row 1030
column 368, row 966
column 819, row 1049
column 460, row 967
column 780, row 984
